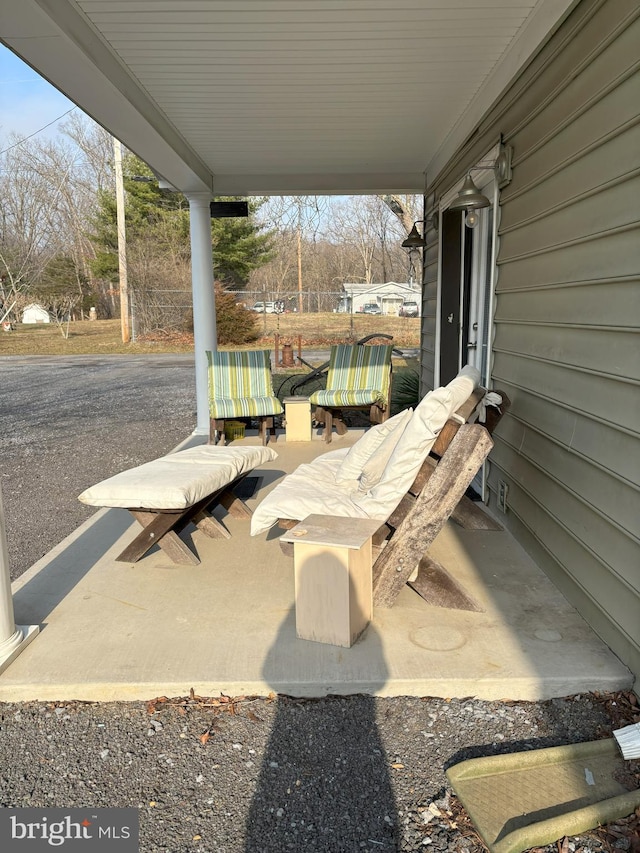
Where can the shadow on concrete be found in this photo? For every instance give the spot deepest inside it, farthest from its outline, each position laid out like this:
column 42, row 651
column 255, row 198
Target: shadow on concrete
column 324, row 781
column 43, row 590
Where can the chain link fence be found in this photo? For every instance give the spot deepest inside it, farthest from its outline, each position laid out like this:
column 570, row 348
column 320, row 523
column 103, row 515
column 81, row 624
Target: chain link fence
column 172, row 309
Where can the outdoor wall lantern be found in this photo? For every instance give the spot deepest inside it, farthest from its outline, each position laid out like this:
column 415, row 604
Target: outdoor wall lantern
column 470, row 199
column 414, row 240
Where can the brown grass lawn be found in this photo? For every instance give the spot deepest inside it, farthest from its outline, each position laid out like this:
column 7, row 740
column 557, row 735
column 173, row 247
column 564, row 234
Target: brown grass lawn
column 102, row 337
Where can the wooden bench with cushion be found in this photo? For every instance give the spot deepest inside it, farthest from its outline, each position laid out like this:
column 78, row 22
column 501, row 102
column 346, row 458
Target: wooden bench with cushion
column 411, row 473
column 167, row 494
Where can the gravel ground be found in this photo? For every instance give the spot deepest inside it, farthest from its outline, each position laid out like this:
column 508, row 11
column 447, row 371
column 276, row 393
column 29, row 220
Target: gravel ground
column 256, row 774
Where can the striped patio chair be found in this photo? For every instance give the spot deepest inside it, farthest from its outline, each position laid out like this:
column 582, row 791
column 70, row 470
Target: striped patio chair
column 240, row 386
column 359, row 377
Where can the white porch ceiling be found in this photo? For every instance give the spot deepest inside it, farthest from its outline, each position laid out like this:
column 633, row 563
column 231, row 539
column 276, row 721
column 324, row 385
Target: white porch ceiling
column 251, row 97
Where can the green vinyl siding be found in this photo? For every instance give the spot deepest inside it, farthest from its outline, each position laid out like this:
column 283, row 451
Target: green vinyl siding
column 567, row 312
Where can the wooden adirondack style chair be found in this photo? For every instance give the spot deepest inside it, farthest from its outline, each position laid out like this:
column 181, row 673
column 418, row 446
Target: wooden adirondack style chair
column 359, row 377
column 240, row 386
column 401, row 544
column 438, row 492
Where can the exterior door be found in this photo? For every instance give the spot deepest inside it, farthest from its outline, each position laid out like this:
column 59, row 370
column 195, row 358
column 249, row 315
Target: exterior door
column 457, row 249
column 466, row 283
column 465, row 294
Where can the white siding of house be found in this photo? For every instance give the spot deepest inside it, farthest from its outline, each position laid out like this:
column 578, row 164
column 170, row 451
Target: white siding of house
column 567, row 313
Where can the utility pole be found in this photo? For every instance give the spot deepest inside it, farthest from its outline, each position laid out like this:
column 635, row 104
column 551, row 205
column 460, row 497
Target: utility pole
column 299, row 255
column 122, row 243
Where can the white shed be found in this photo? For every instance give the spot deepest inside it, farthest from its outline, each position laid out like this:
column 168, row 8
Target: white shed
column 35, row 313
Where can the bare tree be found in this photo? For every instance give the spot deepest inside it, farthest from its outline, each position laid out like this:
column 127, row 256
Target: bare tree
column 297, row 220
column 28, row 237
column 366, row 224
column 47, row 197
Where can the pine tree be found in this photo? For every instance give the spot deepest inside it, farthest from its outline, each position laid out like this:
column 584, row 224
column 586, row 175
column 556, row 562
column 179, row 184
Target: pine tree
column 152, row 214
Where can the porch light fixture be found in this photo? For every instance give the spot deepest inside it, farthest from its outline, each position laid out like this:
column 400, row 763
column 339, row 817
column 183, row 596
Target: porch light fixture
column 414, row 240
column 470, row 199
column 469, row 196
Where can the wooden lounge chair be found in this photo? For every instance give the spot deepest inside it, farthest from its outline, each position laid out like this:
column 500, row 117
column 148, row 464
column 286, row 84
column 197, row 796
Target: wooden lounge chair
column 433, row 494
column 359, row 377
column 240, row 386
column 437, row 493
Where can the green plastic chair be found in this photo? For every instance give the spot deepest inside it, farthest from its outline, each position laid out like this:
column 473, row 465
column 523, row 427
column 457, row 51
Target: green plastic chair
column 359, row 377
column 240, row 386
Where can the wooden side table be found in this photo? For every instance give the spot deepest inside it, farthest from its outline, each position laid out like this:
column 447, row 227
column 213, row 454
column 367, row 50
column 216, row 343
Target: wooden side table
column 333, row 585
column 297, row 413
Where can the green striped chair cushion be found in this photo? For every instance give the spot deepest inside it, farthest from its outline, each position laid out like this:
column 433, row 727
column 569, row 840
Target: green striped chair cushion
column 357, row 376
column 240, row 384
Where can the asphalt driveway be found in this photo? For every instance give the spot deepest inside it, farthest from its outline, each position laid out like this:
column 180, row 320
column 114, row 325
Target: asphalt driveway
column 66, row 423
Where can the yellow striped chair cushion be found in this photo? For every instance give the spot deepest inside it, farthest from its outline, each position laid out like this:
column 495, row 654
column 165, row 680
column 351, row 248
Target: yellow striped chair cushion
column 240, row 384
column 357, row 376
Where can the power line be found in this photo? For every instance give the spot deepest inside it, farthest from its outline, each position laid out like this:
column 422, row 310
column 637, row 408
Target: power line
column 36, row 132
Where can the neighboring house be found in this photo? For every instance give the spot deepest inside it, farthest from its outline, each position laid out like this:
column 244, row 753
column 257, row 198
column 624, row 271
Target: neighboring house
column 389, row 296
column 554, row 322
column 35, row 314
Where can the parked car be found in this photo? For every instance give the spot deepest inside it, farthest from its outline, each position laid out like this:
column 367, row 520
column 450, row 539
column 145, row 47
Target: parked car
column 371, row 308
column 409, row 309
column 264, row 307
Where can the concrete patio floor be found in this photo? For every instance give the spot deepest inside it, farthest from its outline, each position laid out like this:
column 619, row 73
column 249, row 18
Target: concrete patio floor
column 117, row 631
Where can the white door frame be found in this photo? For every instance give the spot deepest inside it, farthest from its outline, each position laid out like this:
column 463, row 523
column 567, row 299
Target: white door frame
column 482, row 295
column 485, row 180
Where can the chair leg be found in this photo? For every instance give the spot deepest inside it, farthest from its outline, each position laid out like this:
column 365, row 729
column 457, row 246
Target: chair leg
column 216, row 431
column 267, row 428
column 338, row 422
column 328, row 425
column 378, row 415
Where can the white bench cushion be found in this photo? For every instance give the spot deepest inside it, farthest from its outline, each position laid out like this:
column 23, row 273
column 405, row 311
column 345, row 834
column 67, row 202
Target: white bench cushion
column 367, row 446
column 313, row 488
column 178, row 480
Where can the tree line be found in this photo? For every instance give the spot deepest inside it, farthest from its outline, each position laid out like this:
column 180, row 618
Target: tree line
column 58, row 237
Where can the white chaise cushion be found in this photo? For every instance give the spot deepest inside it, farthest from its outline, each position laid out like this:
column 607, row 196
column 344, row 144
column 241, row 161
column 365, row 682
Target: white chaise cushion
column 301, row 494
column 178, row 480
column 313, row 488
column 373, row 468
column 416, row 441
column 368, row 445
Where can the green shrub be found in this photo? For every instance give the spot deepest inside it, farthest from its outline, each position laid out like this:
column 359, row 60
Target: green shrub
column 236, row 324
column 405, row 391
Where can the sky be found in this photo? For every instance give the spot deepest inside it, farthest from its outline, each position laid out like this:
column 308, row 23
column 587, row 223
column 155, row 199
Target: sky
column 27, row 102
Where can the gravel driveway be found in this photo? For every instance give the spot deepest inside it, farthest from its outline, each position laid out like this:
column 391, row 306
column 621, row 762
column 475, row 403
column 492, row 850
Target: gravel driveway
column 262, row 774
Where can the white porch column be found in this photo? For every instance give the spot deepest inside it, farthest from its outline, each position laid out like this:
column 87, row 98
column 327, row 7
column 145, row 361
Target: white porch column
column 13, row 638
column 204, row 306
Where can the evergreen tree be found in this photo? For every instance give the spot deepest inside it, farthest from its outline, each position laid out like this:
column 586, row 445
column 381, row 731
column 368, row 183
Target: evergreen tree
column 152, row 214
